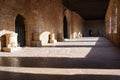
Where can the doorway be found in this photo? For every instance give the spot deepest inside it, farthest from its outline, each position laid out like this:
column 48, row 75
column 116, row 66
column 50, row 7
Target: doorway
column 65, row 26
column 90, row 33
column 20, row 30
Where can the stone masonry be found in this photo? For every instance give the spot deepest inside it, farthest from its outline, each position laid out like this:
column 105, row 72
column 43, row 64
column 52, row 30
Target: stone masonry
column 112, row 22
column 39, row 16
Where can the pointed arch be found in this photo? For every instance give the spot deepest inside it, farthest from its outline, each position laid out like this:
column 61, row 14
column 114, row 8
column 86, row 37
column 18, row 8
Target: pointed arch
column 65, row 27
column 20, row 29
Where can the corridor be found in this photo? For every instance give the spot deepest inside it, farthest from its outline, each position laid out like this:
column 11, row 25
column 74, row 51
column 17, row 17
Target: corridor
column 89, row 58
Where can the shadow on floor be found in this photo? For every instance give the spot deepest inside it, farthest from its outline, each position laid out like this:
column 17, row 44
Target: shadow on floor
column 98, row 58
column 17, row 76
column 102, row 57
column 94, row 63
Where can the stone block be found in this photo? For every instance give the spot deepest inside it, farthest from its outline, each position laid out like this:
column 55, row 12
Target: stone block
column 60, row 37
column 5, row 49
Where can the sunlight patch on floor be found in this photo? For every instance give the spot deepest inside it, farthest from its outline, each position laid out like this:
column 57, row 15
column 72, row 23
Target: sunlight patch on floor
column 49, row 52
column 61, row 71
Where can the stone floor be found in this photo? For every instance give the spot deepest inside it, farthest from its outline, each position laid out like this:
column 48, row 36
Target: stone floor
column 77, row 59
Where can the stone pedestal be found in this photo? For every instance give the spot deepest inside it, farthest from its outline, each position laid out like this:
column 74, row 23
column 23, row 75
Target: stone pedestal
column 52, row 38
column 35, row 40
column 10, row 42
column 60, row 37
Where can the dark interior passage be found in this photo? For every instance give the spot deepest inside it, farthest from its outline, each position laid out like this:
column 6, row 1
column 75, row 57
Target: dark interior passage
column 20, row 29
column 65, row 28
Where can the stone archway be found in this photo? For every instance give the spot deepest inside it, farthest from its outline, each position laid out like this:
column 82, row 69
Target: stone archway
column 65, row 27
column 20, row 29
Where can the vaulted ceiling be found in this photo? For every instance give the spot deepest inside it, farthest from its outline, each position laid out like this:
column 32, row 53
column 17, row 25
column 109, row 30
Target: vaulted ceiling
column 88, row 9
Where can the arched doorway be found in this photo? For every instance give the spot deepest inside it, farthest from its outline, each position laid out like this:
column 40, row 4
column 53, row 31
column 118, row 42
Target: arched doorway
column 90, row 33
column 20, row 29
column 65, row 27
